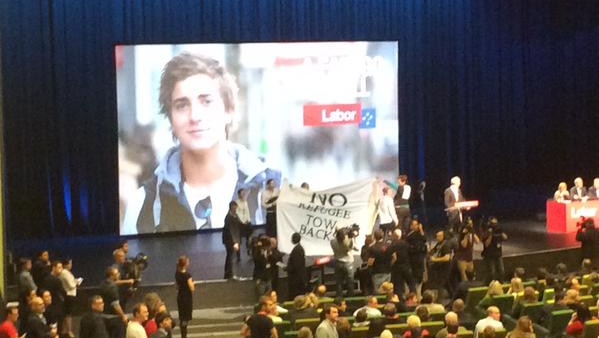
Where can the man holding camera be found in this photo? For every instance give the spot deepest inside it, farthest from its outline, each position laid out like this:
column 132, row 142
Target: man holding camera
column 492, row 253
column 465, row 250
column 342, row 246
column 588, row 236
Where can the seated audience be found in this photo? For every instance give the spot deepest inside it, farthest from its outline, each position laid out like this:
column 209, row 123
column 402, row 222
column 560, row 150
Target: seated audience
column 415, row 329
column 558, row 304
column 523, row 329
column 361, row 318
column 520, row 272
column 575, row 327
column 341, row 305
column 275, row 299
column 411, row 301
column 304, row 332
column 572, row 299
column 516, row 287
column 529, row 297
column 422, row 313
column 387, row 290
column 495, row 289
column 390, row 315
column 343, row 327
column 428, row 301
column 302, row 309
column 452, row 326
column 386, row 334
column 466, row 319
column 492, row 319
column 371, row 308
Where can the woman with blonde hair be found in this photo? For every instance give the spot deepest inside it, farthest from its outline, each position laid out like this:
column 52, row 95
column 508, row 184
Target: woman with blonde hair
column 524, row 329
column 415, row 329
column 516, row 287
column 561, row 194
column 495, row 289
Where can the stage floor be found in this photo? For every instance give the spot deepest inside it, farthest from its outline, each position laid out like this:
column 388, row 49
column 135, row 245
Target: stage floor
column 92, row 255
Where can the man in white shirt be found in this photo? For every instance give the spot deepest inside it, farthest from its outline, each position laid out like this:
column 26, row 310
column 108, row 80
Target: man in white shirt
column 492, row 320
column 243, row 212
column 387, row 215
column 269, row 202
column 135, row 327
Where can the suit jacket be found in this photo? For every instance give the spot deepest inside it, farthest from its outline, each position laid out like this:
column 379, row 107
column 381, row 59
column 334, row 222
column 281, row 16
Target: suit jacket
column 450, row 199
column 231, row 230
column 593, row 193
column 36, row 328
column 573, row 192
column 296, row 265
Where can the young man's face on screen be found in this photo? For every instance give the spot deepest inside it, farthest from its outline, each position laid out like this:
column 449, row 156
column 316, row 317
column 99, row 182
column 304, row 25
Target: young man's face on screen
column 198, row 116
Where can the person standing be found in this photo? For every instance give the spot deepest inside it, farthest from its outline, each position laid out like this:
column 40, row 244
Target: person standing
column 379, row 259
column 296, row 268
column 440, row 263
column 165, row 325
column 417, row 250
column 69, row 284
column 243, row 211
column 185, row 290
column 452, row 195
column 231, row 238
column 269, row 202
column 387, row 216
column 109, row 291
column 342, row 247
column 588, row 236
column 402, row 201
column 464, row 253
column 401, row 272
column 36, row 326
column 328, row 327
column 25, row 281
column 92, row 323
column 492, row 251
column 8, row 329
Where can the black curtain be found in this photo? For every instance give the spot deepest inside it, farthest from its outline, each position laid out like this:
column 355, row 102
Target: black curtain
column 503, row 93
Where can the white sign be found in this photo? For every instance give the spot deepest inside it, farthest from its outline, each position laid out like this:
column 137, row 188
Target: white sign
column 316, row 215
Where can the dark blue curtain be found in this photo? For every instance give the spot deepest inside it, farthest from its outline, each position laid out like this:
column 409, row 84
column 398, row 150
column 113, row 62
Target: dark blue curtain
column 502, row 93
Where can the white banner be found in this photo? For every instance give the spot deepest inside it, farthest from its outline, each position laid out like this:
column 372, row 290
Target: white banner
column 316, row 215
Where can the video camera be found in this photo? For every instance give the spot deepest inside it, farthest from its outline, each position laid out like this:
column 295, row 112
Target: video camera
column 585, row 223
column 133, row 268
column 351, row 231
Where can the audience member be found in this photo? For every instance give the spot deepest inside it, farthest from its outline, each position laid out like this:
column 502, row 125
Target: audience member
column 390, row 315
column 304, row 332
column 364, row 272
column 8, row 329
column 258, row 324
column 328, row 327
column 275, row 299
column 92, row 323
column 461, row 290
column 36, row 326
column 110, row 293
column 422, row 313
column 135, row 327
column 524, row 329
column 343, row 327
column 25, row 281
column 492, row 319
column 452, row 326
column 51, row 312
column 588, row 236
column 165, row 325
column 575, row 327
column 371, row 308
column 428, row 301
column 386, row 334
column 69, row 284
column 41, row 267
column 516, row 287
column 361, row 318
column 151, row 325
column 558, row 304
column 52, row 283
column 529, row 297
column 341, row 305
column 387, row 289
column 415, row 329
column 302, row 309
column 520, row 272
column 571, row 299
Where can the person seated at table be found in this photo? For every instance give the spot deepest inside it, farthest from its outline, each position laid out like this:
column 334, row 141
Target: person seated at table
column 562, row 194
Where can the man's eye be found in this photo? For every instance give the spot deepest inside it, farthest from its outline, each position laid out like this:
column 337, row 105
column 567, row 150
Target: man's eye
column 181, row 105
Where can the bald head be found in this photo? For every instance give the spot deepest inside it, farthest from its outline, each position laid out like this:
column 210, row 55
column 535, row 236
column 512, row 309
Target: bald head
column 493, row 312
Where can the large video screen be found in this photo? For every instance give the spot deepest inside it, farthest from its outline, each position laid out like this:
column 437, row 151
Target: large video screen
column 199, row 122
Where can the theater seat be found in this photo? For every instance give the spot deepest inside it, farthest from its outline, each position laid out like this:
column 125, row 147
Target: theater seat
column 433, row 327
column 312, row 323
column 591, row 329
column 358, row 332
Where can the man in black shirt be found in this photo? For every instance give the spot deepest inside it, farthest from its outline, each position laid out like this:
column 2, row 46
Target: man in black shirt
column 110, row 293
column 259, row 325
column 588, row 236
column 439, row 263
column 231, row 238
column 492, row 250
column 401, row 273
column 92, row 323
column 379, row 260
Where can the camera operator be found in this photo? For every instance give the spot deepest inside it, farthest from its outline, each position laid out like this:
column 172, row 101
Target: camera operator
column 465, row 249
column 588, row 236
column 493, row 238
column 125, row 283
column 343, row 246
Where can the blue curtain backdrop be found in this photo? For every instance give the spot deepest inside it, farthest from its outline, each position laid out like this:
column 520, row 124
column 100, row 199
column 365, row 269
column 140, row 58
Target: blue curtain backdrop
column 503, row 93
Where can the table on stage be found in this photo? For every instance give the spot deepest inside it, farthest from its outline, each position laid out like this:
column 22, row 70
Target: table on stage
column 562, row 217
